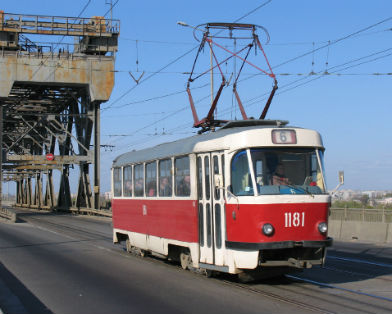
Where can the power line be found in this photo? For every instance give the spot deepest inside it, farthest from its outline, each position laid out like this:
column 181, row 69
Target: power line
column 175, row 60
column 257, row 99
column 319, row 76
column 274, row 67
column 42, row 63
column 111, row 8
column 328, row 44
column 157, row 41
column 252, row 11
column 148, row 77
column 333, row 42
column 293, row 59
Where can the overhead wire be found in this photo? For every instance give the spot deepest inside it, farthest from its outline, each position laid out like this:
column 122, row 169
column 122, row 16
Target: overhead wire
column 317, row 76
column 329, row 43
column 321, row 75
column 148, row 77
column 285, row 62
column 174, row 61
column 111, row 8
column 42, row 63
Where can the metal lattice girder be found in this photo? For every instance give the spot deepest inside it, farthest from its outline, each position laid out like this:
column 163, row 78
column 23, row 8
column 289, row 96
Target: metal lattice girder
column 51, row 99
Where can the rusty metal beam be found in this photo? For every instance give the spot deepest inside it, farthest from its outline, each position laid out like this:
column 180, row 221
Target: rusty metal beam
column 58, row 159
column 52, row 102
column 58, row 25
column 33, row 167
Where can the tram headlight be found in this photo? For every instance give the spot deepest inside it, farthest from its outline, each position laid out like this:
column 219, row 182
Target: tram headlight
column 268, row 229
column 323, row 227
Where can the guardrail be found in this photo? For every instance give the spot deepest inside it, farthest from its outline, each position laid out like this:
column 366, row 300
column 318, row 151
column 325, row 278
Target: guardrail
column 8, row 213
column 361, row 214
column 89, row 211
column 362, row 224
column 75, row 210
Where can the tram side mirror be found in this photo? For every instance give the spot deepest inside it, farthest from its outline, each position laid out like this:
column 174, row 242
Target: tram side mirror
column 341, row 181
column 341, row 177
column 218, row 181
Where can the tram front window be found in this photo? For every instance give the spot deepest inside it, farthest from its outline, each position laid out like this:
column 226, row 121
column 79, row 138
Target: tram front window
column 278, row 171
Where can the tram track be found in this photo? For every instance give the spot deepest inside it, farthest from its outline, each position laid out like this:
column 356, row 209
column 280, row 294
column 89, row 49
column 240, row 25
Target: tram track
column 372, row 273
column 280, row 298
column 357, row 274
column 297, row 292
column 66, row 229
column 326, row 285
column 89, row 235
column 360, row 261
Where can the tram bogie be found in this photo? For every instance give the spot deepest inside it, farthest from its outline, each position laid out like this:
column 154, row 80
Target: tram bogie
column 243, row 199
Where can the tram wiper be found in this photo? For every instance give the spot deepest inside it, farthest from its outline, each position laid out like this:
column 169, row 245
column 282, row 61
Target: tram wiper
column 298, row 187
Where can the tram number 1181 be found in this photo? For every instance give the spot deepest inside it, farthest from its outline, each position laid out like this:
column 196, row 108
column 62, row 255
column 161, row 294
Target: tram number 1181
column 294, row 219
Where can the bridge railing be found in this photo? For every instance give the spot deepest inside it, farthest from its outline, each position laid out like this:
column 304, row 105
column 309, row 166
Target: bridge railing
column 58, row 25
column 361, row 214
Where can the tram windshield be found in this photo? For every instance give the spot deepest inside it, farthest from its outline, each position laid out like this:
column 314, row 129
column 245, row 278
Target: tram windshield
column 265, row 171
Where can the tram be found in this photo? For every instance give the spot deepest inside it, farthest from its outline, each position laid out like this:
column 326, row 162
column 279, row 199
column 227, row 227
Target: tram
column 250, row 197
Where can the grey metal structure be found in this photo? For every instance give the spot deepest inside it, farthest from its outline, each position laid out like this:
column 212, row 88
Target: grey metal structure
column 51, row 96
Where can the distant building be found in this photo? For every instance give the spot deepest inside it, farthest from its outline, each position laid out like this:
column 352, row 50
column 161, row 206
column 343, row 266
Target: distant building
column 108, row 195
column 386, row 201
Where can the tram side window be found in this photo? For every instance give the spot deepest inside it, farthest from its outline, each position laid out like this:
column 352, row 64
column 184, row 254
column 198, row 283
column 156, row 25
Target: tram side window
column 127, row 175
column 151, row 179
column 207, row 176
column 199, row 178
column 117, row 181
column 240, row 175
column 139, row 180
column 165, row 177
column 182, row 176
column 217, row 172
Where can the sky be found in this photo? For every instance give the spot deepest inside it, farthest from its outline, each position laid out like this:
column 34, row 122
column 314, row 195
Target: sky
column 347, row 43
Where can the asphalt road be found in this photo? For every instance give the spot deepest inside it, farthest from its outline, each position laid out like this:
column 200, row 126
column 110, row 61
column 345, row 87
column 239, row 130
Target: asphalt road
column 68, row 264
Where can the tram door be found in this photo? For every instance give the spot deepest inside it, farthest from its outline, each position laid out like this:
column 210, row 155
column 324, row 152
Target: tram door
column 211, row 208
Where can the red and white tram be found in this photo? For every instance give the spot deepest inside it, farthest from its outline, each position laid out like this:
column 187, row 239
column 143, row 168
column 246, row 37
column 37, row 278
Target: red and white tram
column 248, row 198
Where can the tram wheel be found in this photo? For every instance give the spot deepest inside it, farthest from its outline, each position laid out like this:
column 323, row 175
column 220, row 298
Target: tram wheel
column 128, row 245
column 186, row 260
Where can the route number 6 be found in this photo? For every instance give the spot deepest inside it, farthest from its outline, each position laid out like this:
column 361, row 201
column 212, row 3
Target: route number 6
column 294, row 219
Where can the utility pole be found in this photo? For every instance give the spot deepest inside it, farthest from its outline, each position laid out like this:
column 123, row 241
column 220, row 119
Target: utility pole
column 111, row 11
column 212, row 75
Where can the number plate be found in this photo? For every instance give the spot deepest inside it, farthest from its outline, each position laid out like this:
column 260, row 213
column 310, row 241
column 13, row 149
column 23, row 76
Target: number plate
column 284, row 137
column 295, row 220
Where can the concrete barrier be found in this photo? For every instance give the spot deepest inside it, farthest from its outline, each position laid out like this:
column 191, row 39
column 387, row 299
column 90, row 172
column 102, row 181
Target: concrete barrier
column 8, row 213
column 378, row 232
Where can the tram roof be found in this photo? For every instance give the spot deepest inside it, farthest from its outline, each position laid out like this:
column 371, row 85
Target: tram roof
column 187, row 145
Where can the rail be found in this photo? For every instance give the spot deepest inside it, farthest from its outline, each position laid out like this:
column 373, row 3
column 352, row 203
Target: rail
column 56, row 50
column 96, row 26
column 344, row 214
column 361, row 214
column 8, row 213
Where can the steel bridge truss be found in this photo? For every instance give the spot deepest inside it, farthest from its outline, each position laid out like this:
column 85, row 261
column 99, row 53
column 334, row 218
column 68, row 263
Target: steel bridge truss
column 51, row 108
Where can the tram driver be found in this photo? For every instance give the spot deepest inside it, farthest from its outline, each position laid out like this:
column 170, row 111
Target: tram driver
column 279, row 177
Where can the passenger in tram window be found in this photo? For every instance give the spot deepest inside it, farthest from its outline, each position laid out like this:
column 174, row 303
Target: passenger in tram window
column 151, row 189
column 128, row 188
column 184, row 188
column 139, row 187
column 165, row 187
column 151, row 192
column 187, row 185
column 279, row 177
